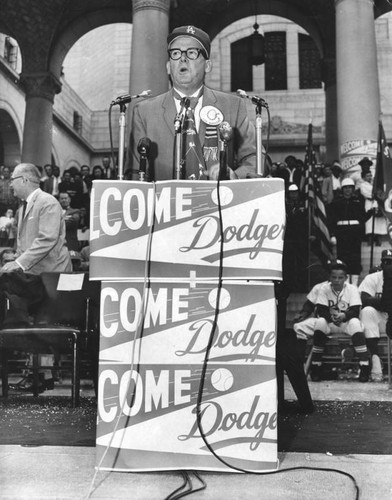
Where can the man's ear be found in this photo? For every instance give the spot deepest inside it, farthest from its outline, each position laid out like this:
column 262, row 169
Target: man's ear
column 208, row 65
column 168, row 67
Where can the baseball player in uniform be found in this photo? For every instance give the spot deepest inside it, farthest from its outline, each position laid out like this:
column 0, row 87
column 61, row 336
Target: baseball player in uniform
column 305, row 320
column 338, row 307
column 373, row 315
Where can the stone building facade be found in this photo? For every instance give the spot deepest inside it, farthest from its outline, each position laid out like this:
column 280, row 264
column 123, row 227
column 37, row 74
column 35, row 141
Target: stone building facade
column 114, row 59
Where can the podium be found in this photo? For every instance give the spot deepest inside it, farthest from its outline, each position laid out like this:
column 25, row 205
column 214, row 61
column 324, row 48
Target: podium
column 166, row 254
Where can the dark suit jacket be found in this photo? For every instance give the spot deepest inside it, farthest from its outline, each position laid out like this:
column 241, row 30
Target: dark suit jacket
column 47, row 184
column 154, row 118
column 72, row 218
column 41, row 236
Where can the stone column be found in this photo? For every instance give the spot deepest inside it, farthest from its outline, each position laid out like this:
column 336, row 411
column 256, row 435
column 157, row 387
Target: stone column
column 331, row 116
column 149, row 47
column 358, row 94
column 40, row 90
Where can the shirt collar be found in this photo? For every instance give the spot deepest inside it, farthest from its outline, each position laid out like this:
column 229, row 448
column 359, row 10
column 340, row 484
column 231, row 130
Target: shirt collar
column 195, row 94
column 29, row 198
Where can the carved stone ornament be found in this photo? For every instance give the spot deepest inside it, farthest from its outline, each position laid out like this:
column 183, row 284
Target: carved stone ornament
column 43, row 85
column 163, row 5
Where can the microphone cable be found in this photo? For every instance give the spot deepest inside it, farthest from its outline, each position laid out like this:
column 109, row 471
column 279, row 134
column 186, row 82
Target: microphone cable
column 138, row 336
column 111, row 142
column 268, row 131
column 204, row 370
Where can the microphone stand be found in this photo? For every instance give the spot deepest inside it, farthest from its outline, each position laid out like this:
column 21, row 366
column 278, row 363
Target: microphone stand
column 177, row 146
column 259, row 144
column 223, row 161
column 121, row 141
column 178, row 125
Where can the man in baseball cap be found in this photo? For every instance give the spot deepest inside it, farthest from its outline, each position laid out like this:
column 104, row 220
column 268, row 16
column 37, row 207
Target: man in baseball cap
column 192, row 32
column 189, row 49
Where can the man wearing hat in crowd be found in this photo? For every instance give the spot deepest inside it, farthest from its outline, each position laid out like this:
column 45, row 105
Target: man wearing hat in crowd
column 189, row 61
column 365, row 163
column 376, row 226
column 347, row 218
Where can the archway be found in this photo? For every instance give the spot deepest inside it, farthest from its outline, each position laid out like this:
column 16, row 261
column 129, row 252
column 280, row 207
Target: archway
column 10, row 147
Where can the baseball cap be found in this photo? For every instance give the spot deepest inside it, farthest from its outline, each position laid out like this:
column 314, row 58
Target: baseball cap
column 198, row 34
column 348, row 182
column 386, row 255
column 337, row 264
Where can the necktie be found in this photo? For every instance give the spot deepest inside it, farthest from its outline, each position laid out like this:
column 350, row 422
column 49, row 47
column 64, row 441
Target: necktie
column 192, row 153
column 197, row 157
column 24, row 205
column 193, row 100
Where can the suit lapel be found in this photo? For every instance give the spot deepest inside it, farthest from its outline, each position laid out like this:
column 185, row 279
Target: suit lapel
column 169, row 111
column 31, row 203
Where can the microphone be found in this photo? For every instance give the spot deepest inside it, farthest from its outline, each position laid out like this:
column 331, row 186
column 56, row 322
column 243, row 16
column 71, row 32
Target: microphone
column 124, row 99
column 225, row 135
column 143, row 148
column 254, row 98
column 184, row 104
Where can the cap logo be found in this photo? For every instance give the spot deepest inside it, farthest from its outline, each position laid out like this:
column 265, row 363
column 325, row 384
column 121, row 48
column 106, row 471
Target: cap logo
column 191, row 29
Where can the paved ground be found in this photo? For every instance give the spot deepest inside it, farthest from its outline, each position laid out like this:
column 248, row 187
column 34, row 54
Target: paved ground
column 51, row 472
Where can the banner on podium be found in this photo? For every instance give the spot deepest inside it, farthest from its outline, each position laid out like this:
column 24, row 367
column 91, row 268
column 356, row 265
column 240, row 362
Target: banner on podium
column 150, row 377
column 177, row 228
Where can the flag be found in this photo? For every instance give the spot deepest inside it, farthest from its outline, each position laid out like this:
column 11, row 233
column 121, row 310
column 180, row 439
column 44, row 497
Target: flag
column 321, row 245
column 382, row 182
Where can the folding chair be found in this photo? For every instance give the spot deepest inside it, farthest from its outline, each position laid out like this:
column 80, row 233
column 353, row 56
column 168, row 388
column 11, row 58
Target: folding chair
column 63, row 322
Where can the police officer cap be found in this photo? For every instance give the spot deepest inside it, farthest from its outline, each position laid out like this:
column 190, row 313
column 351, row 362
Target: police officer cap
column 193, row 32
column 386, row 255
column 348, row 182
column 365, row 162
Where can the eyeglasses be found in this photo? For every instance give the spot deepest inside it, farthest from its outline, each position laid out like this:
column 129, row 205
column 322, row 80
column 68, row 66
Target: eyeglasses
column 192, row 53
column 17, row 177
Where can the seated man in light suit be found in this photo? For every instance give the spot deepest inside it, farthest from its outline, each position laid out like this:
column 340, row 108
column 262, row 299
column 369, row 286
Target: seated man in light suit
column 40, row 248
column 189, row 61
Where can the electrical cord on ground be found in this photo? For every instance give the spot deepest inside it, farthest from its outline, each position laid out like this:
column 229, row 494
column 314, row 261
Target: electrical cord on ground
column 181, row 492
column 181, row 489
column 138, row 336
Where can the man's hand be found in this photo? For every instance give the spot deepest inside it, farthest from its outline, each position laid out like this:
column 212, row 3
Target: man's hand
column 338, row 318
column 254, row 175
column 10, row 266
column 213, row 172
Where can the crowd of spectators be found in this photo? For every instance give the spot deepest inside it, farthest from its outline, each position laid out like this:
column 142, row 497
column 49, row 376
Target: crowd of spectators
column 353, row 216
